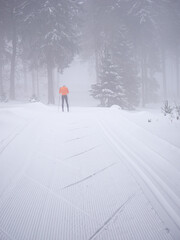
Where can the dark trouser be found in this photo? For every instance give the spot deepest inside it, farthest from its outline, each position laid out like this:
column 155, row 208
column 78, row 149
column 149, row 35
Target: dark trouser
column 64, row 97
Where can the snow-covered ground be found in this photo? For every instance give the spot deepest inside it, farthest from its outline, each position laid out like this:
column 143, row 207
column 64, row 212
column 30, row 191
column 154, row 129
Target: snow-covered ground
column 92, row 173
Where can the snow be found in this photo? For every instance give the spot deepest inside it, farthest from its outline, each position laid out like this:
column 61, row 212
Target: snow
column 92, row 173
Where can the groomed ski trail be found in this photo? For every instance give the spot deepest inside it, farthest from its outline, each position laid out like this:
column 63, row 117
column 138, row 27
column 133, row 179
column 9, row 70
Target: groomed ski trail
column 63, row 179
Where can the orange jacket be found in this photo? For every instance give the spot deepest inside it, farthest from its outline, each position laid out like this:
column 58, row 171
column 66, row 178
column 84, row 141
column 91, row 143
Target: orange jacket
column 63, row 90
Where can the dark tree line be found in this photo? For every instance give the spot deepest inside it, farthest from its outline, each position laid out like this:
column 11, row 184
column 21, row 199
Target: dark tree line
column 129, row 40
column 42, row 33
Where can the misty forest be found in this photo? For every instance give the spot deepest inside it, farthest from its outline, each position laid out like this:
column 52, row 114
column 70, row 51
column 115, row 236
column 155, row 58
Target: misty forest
column 134, row 45
column 89, row 119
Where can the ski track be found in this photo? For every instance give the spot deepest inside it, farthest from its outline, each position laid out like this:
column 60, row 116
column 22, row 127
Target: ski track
column 90, row 176
column 110, row 219
column 51, row 192
column 16, row 176
column 158, row 187
column 153, row 181
column 11, row 138
column 75, row 139
column 152, row 150
column 81, row 153
column 162, row 140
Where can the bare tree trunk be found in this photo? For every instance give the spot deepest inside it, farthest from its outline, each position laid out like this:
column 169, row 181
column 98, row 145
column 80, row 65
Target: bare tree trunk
column 33, row 83
column 177, row 76
column 37, row 82
column 1, row 67
column 25, row 78
column 1, row 80
column 57, row 84
column 164, row 74
column 143, row 86
column 144, row 79
column 13, row 58
column 50, row 83
column 97, row 65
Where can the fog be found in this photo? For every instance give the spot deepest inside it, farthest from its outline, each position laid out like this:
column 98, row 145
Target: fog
column 78, row 77
column 89, row 119
column 108, row 53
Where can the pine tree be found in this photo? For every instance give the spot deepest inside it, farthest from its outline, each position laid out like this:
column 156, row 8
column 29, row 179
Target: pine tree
column 53, row 29
column 109, row 90
column 119, row 86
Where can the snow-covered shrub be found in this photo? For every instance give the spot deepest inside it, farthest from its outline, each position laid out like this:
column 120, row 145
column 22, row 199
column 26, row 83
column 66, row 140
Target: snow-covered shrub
column 34, row 98
column 167, row 109
column 177, row 108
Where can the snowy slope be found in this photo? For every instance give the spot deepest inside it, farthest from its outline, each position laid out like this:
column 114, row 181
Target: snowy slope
column 92, row 173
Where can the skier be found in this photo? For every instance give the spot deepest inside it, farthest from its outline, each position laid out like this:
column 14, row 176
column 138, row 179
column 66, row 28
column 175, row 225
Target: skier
column 64, row 91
